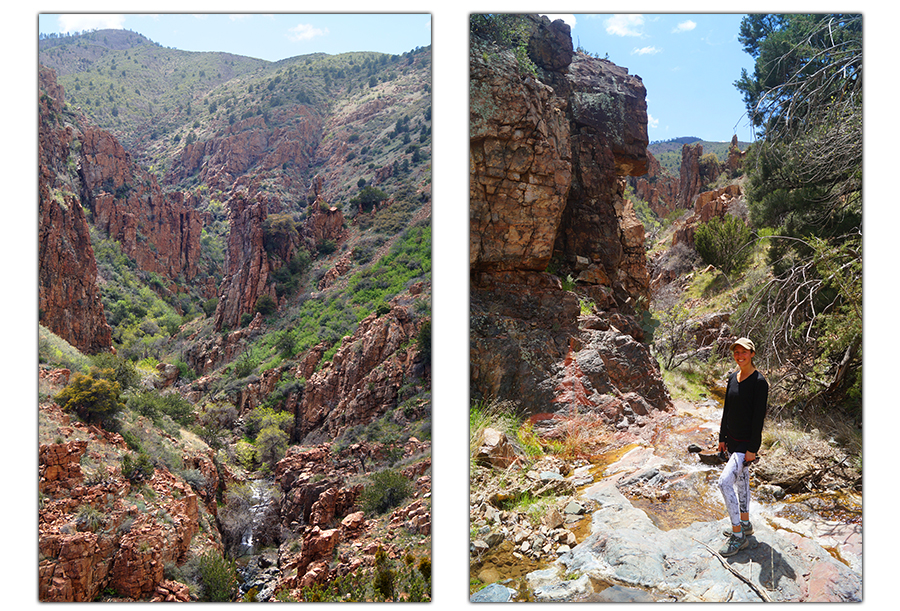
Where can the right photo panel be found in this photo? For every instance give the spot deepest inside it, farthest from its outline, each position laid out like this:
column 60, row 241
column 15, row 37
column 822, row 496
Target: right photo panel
column 665, row 332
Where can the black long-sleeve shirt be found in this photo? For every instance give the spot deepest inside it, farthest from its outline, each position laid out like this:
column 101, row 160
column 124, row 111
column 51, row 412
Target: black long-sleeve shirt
column 744, row 413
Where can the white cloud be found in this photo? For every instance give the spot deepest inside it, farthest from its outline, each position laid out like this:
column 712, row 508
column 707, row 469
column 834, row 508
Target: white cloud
column 569, row 18
column 305, row 31
column 77, row 23
column 651, row 122
column 685, row 26
column 625, row 25
column 646, row 51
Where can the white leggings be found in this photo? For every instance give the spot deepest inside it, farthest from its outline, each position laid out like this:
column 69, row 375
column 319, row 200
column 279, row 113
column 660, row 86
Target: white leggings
column 735, row 472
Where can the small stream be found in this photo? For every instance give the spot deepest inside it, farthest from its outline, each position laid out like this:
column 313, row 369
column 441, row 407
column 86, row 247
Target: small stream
column 261, row 499
column 255, row 568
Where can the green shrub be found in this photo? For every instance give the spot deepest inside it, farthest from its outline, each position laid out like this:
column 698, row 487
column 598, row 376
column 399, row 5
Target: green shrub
column 94, row 400
column 117, row 369
column 246, row 454
column 724, row 243
column 266, row 305
column 385, row 491
column 385, row 576
column 271, row 444
column 218, row 577
column 245, row 365
column 154, row 405
column 137, row 470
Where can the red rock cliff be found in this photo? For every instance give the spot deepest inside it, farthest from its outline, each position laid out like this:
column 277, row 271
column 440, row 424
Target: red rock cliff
column 548, row 162
column 68, row 295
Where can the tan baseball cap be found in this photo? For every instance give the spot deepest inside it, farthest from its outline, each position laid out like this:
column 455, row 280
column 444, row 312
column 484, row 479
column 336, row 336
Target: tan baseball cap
column 746, row 343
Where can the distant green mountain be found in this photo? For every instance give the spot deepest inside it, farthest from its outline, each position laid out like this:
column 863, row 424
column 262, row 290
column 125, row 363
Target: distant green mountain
column 155, row 100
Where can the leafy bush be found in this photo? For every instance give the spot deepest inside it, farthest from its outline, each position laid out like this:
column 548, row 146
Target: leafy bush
column 218, row 577
column 265, row 417
column 385, row 491
column 368, row 197
column 724, row 243
column 94, row 400
column 137, row 470
column 154, row 405
column 266, row 305
column 271, row 444
column 123, row 371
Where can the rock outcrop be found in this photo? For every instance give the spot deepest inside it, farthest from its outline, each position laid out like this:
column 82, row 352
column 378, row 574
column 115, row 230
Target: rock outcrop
column 548, row 161
column 160, row 231
column 251, row 146
column 99, row 531
column 363, row 379
column 320, row 503
column 68, row 295
column 690, row 184
column 707, row 205
column 246, row 276
column 658, row 188
column 84, row 168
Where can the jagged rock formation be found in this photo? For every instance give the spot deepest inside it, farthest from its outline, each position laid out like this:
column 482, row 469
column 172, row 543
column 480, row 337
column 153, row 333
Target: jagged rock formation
column 319, row 501
column 707, row 205
column 690, row 184
column 548, row 162
column 85, row 168
column 658, row 188
column 160, row 231
column 68, row 295
column 246, row 262
column 736, row 156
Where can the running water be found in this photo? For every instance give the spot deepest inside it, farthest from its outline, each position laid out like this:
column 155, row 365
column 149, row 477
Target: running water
column 261, row 498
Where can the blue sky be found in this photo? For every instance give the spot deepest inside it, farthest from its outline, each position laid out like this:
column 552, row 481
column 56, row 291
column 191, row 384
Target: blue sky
column 688, row 64
column 271, row 36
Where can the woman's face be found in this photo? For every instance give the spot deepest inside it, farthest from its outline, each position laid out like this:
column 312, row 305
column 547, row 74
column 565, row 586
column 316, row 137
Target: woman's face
column 742, row 356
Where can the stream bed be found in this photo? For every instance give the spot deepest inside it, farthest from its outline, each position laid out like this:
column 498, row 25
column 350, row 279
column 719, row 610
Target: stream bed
column 657, row 515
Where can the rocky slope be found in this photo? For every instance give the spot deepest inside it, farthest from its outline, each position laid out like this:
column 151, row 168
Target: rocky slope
column 549, row 158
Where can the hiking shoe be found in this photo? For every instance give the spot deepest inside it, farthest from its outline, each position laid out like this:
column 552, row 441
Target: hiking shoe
column 733, row 546
column 746, row 528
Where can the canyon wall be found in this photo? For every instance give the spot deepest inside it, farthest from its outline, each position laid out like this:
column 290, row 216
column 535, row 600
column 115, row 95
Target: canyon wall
column 68, row 295
column 556, row 254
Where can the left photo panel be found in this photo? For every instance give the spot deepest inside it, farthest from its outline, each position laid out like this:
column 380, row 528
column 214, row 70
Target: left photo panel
column 235, row 307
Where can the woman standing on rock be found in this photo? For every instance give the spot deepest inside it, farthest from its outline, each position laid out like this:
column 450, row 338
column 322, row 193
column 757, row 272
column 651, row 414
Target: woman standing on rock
column 740, row 434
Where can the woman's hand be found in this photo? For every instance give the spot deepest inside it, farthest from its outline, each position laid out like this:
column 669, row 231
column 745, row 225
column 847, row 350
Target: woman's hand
column 721, row 446
column 749, row 457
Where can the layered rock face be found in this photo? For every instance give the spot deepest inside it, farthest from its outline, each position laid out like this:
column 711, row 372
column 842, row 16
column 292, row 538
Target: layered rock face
column 93, row 532
column 251, row 256
column 68, row 295
column 82, row 167
column 246, row 262
column 520, row 165
column 160, row 231
column 548, row 162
